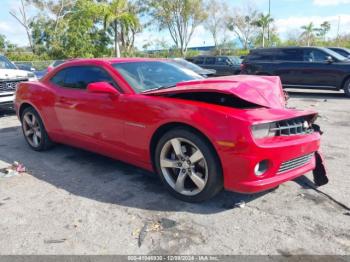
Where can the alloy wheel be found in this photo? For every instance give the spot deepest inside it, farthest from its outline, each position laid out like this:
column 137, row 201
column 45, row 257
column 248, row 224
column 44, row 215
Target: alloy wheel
column 184, row 166
column 31, row 129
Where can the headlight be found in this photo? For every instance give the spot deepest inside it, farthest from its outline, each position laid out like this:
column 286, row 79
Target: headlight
column 264, row 130
column 32, row 77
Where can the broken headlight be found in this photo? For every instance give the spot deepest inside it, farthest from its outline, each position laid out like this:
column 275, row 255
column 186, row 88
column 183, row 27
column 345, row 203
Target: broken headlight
column 264, row 130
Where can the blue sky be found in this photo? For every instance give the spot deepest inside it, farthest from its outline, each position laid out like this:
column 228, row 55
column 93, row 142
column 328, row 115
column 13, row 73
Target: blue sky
column 289, row 16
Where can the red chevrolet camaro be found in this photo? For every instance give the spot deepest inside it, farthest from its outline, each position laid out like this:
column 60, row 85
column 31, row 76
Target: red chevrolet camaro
column 199, row 135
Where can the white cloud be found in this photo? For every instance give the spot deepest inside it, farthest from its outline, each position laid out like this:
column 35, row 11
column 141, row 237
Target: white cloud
column 330, row 2
column 285, row 25
column 14, row 32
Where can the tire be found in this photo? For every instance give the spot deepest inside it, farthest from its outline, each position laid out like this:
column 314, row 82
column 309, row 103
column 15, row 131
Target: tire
column 346, row 87
column 32, row 126
column 200, row 173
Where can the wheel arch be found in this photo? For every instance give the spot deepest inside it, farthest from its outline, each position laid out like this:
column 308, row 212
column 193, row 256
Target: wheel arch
column 160, row 131
column 344, row 81
column 26, row 105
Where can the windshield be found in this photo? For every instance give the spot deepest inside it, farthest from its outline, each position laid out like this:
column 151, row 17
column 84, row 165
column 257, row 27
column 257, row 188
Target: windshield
column 335, row 54
column 143, row 76
column 188, row 65
column 235, row 59
column 57, row 63
column 6, row 64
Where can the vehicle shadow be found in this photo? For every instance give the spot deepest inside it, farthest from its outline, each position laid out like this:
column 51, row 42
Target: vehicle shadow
column 96, row 177
column 314, row 95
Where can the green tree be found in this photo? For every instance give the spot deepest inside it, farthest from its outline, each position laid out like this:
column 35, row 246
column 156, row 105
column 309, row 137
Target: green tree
column 215, row 22
column 241, row 23
column 309, row 33
column 2, row 42
column 322, row 31
column 123, row 23
column 263, row 22
column 179, row 17
column 22, row 18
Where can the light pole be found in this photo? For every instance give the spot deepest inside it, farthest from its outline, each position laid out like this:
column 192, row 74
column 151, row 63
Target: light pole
column 268, row 26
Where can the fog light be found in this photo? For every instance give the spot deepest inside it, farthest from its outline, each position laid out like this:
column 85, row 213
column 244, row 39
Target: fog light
column 261, row 167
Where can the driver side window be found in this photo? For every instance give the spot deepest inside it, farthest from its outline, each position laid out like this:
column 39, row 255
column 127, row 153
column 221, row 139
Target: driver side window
column 78, row 77
column 315, row 56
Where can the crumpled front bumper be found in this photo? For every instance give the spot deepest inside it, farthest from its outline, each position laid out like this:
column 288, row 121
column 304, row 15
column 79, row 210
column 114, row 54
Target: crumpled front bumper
column 238, row 167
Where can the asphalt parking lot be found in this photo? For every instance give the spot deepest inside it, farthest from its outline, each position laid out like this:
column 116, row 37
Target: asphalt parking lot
column 74, row 202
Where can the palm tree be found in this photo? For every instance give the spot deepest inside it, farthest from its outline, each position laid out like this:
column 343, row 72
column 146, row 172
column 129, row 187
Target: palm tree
column 263, row 22
column 117, row 13
column 309, row 32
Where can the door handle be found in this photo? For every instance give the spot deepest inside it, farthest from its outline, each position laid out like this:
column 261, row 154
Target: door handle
column 65, row 101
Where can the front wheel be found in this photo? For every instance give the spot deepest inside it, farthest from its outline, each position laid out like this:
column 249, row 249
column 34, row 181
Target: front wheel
column 188, row 166
column 347, row 88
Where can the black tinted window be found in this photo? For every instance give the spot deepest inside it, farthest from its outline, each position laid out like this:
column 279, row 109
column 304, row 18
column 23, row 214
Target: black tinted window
column 262, row 56
column 222, row 61
column 58, row 79
column 290, row 55
column 315, row 55
column 341, row 52
column 79, row 77
column 210, row 61
column 199, row 60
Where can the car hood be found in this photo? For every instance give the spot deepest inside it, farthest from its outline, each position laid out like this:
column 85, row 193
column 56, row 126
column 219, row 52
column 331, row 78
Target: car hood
column 13, row 74
column 207, row 71
column 265, row 91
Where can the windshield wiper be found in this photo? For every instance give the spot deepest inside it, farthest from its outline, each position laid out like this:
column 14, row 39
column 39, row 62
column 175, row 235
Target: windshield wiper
column 159, row 88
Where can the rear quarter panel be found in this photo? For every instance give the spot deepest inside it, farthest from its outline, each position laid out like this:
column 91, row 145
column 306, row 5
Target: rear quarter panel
column 41, row 98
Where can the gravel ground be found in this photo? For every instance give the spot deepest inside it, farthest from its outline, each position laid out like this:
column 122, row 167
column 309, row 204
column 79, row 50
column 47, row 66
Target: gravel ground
column 74, row 202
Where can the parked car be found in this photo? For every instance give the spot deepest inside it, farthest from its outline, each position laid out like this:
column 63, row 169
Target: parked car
column 195, row 68
column 54, row 64
column 26, row 67
column 341, row 51
column 198, row 134
column 10, row 76
column 301, row 67
column 224, row 65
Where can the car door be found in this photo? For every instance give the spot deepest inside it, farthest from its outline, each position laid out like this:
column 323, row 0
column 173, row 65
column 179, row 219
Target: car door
column 286, row 64
column 90, row 120
column 223, row 65
column 209, row 63
column 306, row 68
column 316, row 71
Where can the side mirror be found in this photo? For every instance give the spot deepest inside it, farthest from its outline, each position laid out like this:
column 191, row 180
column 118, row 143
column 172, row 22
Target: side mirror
column 329, row 59
column 102, row 88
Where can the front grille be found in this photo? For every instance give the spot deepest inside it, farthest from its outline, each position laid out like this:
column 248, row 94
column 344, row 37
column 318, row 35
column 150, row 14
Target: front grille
column 9, row 85
column 294, row 126
column 295, row 163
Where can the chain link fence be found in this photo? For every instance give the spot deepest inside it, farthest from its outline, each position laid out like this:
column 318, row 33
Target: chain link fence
column 38, row 65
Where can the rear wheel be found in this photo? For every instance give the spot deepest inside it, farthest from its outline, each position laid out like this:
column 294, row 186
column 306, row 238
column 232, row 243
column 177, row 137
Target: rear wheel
column 347, row 88
column 34, row 130
column 188, row 166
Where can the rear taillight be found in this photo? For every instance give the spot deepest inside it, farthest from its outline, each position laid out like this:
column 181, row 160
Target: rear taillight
column 242, row 66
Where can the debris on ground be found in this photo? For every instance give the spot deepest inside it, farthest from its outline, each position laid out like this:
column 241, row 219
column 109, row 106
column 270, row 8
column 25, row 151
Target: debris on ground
column 142, row 234
column 240, row 204
column 14, row 170
column 167, row 223
column 153, row 226
column 54, row 241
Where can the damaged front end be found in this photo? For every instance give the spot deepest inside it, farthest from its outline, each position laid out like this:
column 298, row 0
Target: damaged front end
column 320, row 171
column 285, row 140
